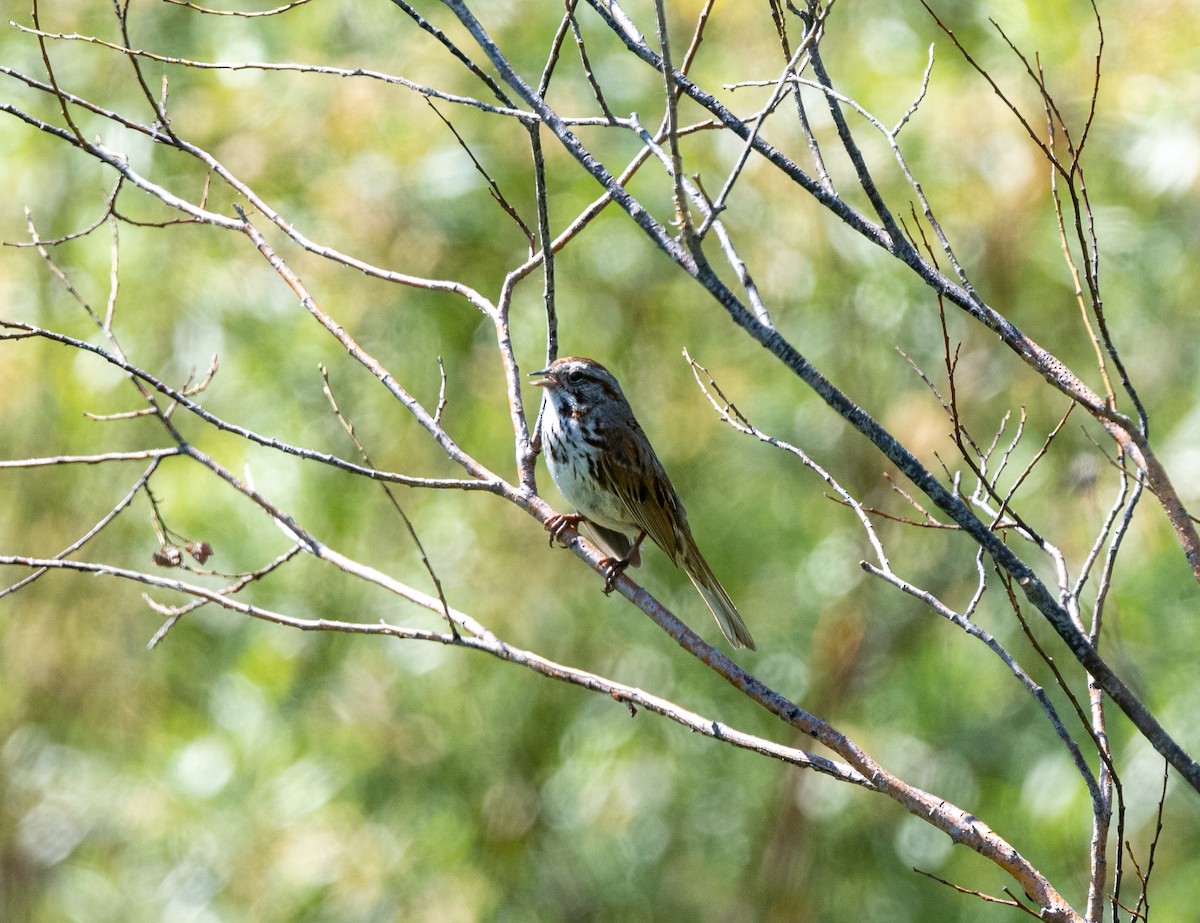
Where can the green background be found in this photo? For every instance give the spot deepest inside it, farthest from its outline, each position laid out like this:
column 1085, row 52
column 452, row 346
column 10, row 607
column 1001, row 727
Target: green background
column 243, row 771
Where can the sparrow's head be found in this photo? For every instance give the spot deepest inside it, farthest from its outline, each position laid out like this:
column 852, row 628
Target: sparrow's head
column 574, row 382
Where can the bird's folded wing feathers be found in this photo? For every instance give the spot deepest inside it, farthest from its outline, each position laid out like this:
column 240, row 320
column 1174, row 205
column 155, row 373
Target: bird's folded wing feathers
column 643, row 486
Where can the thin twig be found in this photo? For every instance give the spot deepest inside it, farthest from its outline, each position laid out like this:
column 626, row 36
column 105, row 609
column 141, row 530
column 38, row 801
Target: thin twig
column 246, row 14
column 408, row 525
column 987, row 898
column 175, row 613
column 96, row 529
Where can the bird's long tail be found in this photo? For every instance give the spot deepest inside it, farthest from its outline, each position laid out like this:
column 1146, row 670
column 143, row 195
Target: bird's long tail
column 718, row 601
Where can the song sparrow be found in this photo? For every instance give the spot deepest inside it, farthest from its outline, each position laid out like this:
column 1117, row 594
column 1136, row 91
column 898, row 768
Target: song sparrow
column 603, row 463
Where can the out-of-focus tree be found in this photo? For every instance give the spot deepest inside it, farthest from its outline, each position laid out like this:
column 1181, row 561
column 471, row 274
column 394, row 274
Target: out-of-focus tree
column 266, row 314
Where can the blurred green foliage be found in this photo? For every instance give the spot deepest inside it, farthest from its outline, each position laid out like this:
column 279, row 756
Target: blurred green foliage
column 241, row 771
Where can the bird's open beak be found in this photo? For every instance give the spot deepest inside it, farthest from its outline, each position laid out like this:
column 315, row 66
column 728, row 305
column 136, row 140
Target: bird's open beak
column 547, row 382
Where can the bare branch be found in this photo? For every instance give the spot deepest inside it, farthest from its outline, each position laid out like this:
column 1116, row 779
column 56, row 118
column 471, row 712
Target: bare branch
column 412, row 532
column 246, row 14
column 479, row 640
column 986, row 898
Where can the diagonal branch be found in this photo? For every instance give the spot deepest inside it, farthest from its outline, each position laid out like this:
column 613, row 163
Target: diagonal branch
column 481, row 640
column 1021, row 573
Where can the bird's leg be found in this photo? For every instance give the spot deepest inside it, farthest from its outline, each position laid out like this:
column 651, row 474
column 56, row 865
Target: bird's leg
column 614, row 566
column 557, row 525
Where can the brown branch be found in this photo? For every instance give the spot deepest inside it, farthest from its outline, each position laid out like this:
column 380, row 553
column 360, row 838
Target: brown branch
column 482, row 641
column 493, row 187
column 244, row 14
column 19, row 330
column 986, row 898
column 408, row 525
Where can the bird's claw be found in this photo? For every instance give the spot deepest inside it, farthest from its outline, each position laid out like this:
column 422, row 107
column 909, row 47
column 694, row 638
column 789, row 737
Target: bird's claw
column 613, row 568
column 557, row 525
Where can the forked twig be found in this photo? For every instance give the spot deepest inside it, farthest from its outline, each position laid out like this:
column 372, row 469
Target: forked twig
column 986, row 898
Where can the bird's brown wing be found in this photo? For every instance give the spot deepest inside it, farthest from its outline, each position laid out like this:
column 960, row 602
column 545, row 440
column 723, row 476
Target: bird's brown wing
column 638, row 478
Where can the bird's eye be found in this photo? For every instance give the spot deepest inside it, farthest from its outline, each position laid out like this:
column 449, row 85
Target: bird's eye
column 574, row 377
